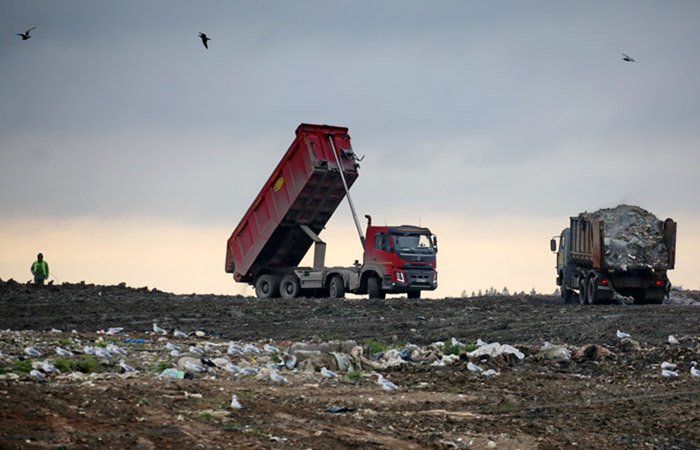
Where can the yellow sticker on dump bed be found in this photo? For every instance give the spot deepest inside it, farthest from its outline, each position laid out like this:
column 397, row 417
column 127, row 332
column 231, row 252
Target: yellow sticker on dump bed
column 278, row 184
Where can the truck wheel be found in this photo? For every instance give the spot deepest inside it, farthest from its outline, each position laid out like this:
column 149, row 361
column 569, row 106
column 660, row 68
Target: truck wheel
column 413, row 294
column 567, row 294
column 592, row 291
column 582, row 297
column 267, row 286
column 374, row 288
column 337, row 287
column 289, row 287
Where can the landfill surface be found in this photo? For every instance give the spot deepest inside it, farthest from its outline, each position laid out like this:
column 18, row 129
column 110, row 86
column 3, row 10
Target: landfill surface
column 141, row 368
column 632, row 237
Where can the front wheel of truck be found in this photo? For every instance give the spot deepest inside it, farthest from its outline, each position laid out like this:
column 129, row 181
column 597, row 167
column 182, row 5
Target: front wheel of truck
column 289, row 287
column 374, row 288
column 267, row 286
column 592, row 291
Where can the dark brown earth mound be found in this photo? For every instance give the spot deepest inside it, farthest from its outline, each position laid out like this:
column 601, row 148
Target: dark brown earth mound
column 594, row 391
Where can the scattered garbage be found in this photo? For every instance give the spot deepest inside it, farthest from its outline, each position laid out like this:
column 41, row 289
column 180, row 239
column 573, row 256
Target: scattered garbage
column 496, row 349
column 172, row 373
column 335, row 409
column 553, row 352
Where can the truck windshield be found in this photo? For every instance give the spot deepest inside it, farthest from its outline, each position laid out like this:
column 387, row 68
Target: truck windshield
column 413, row 243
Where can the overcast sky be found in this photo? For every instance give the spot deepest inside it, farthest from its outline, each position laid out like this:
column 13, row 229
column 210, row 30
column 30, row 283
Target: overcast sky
column 464, row 109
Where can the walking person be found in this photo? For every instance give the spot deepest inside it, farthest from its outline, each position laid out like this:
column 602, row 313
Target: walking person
column 40, row 270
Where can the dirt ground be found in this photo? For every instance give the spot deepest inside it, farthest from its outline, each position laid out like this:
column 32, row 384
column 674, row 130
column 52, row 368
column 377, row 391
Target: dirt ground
column 605, row 393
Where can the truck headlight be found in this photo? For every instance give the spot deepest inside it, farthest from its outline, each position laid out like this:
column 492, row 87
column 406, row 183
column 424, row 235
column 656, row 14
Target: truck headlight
column 399, row 277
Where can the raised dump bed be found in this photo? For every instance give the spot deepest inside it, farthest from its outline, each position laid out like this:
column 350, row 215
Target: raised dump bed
column 304, row 189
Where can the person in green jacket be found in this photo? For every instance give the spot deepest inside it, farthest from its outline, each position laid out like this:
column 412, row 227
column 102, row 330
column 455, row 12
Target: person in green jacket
column 40, row 269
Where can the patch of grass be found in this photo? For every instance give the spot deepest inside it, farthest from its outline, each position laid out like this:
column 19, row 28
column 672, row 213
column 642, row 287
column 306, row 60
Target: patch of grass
column 87, row 364
column 101, row 344
column 65, row 342
column 64, row 364
column 161, row 366
column 374, row 346
column 354, row 375
column 206, row 416
column 232, row 426
column 23, row 365
column 470, row 347
column 451, row 349
column 143, row 402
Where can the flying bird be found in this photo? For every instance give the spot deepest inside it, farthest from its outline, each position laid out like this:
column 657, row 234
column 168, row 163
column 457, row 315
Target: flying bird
column 204, row 39
column 26, row 35
column 627, row 58
column 622, row 335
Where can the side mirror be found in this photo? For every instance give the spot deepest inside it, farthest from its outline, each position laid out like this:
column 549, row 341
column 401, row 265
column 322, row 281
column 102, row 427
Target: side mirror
column 435, row 243
column 553, row 245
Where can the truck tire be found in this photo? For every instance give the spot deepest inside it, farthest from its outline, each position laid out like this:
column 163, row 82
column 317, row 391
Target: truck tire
column 413, row 294
column 337, row 287
column 267, row 286
column 374, row 288
column 592, row 291
column 567, row 294
column 289, row 287
column 582, row 297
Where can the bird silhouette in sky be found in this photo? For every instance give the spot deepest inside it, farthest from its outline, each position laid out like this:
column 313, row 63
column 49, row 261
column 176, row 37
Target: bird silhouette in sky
column 627, row 58
column 204, row 39
column 26, row 35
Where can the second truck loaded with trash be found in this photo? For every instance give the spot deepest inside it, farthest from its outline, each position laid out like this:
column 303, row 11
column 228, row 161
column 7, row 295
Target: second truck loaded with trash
column 620, row 253
column 291, row 210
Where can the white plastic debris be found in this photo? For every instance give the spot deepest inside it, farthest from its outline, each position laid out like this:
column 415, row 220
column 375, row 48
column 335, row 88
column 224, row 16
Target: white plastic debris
column 669, row 373
column 667, row 365
column 32, row 351
column 268, row 348
column 63, row 352
column 495, row 349
column 277, row 378
column 473, row 367
column 37, row 375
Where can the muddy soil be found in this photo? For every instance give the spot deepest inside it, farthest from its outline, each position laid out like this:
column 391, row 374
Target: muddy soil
column 611, row 395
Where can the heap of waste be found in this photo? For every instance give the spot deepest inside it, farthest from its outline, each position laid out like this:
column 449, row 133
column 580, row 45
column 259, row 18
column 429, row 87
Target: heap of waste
column 633, row 238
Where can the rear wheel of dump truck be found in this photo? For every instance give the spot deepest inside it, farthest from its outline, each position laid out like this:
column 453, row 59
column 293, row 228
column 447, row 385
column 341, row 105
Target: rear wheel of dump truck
column 337, row 287
column 582, row 297
column 289, row 287
column 267, row 286
column 413, row 294
column 374, row 288
column 592, row 291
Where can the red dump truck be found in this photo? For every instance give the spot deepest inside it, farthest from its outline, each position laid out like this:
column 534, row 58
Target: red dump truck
column 294, row 205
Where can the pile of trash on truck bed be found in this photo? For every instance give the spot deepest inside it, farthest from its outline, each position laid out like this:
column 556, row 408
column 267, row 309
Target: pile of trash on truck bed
column 633, row 238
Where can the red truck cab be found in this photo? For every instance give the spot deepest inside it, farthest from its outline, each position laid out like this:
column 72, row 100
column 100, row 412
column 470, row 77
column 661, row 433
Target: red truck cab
column 402, row 257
